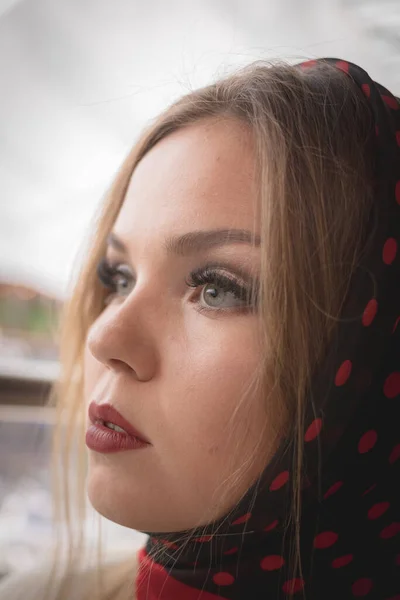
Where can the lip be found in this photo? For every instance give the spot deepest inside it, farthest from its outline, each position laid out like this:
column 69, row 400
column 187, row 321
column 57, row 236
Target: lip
column 102, row 439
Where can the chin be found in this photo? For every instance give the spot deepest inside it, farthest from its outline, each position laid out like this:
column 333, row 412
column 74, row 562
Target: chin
column 110, row 496
column 138, row 507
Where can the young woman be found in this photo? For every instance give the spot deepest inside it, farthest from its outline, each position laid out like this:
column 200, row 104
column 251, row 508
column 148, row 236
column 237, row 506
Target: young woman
column 231, row 350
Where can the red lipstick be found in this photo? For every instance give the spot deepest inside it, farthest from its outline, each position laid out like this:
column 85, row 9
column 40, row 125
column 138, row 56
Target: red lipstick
column 104, row 433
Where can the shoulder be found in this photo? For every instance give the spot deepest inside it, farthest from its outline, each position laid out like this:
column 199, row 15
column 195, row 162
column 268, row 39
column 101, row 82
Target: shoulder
column 117, row 583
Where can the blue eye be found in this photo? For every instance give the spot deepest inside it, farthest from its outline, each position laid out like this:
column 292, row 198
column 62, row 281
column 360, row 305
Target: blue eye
column 113, row 277
column 219, row 290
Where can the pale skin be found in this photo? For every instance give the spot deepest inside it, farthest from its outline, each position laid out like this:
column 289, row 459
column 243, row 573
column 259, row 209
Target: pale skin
column 177, row 373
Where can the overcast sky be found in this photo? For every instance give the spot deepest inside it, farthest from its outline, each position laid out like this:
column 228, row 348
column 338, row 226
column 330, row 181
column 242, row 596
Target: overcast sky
column 80, row 78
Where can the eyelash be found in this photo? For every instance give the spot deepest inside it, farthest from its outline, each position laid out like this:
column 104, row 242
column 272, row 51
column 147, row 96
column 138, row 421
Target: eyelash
column 202, row 276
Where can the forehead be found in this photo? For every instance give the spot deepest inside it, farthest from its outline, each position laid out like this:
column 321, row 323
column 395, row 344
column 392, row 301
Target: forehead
column 199, row 177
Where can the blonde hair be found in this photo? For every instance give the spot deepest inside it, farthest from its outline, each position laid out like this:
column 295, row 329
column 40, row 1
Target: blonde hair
column 313, row 136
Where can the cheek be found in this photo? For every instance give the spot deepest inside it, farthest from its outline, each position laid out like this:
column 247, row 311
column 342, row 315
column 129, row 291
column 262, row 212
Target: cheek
column 207, row 389
column 206, row 434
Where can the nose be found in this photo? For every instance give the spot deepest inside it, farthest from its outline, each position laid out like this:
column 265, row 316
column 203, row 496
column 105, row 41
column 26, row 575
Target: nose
column 122, row 339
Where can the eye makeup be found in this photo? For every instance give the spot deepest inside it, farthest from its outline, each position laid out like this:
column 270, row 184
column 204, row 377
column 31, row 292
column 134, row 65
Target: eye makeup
column 243, row 291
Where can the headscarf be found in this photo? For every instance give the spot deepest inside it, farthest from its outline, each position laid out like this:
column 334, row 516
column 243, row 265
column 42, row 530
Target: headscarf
column 350, row 518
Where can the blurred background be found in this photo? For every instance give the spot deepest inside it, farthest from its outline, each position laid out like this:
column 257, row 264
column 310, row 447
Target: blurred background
column 79, row 80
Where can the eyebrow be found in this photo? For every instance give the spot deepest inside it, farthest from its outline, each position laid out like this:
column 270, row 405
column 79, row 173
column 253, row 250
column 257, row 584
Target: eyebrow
column 195, row 241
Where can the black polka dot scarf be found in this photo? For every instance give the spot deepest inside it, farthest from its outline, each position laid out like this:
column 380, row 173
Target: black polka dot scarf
column 350, row 521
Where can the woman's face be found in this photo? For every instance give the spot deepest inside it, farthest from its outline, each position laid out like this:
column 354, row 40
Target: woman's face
column 161, row 353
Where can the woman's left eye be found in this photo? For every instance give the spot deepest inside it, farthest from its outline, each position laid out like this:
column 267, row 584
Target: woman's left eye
column 219, row 291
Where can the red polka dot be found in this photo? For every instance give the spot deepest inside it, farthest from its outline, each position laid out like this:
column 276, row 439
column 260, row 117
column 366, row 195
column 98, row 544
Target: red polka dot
column 333, row 489
column 308, row 63
column 243, row 519
column 231, row 551
column 292, row 586
column 279, row 481
column 395, row 454
column 376, row 130
column 367, row 441
column 342, row 561
column 398, row 137
column 397, row 560
column 362, row 587
column 390, row 531
column 368, row 490
column 343, row 373
column 377, row 510
column 313, row 430
column 389, row 251
column 395, row 324
column 271, row 525
column 366, row 89
column 342, row 64
column 170, row 544
column 370, row 312
column 203, row 538
column 391, row 388
column 325, row 539
column 272, row 562
column 223, row 578
column 391, row 102
column 397, row 193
